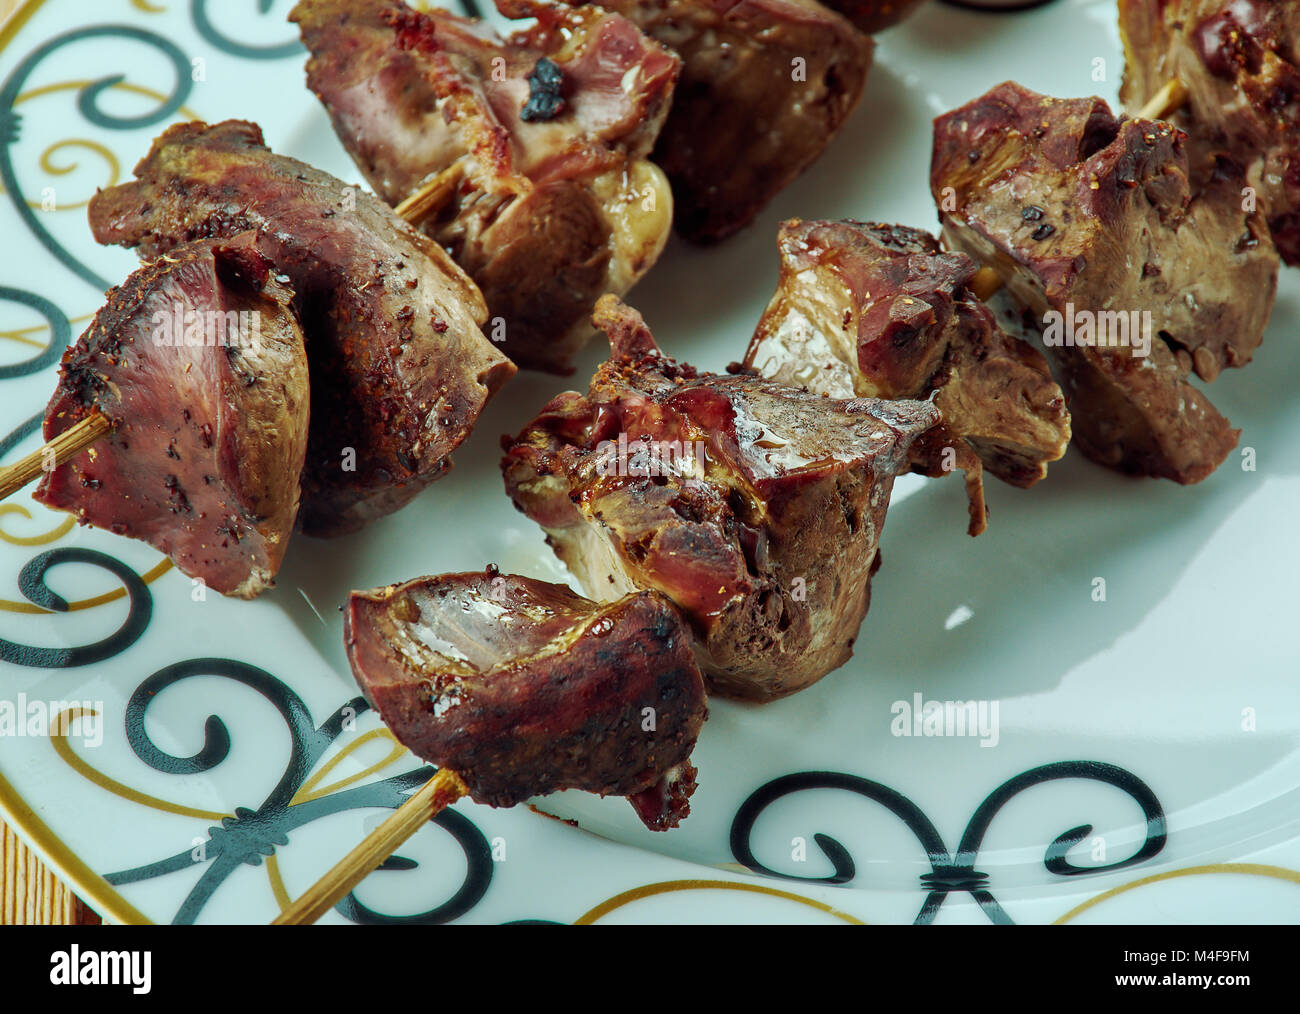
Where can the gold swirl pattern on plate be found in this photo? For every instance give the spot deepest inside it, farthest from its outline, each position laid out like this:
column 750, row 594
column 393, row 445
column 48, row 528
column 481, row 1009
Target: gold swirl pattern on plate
column 47, row 163
column 19, row 335
column 669, row 886
column 308, row 790
column 43, row 539
column 94, row 890
column 103, row 151
column 1240, row 869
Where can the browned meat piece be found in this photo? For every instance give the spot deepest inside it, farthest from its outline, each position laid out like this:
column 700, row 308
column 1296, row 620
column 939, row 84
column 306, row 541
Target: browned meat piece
column 399, row 368
column 765, row 87
column 874, row 15
column 1090, row 222
column 1240, row 63
column 198, row 362
column 878, row 311
column 524, row 688
column 556, row 203
column 755, row 507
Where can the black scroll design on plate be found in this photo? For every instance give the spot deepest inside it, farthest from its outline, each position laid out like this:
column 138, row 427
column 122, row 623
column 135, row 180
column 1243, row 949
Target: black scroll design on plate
column 60, row 335
column 253, row 834
column 88, row 105
column 31, row 582
column 212, row 36
column 948, row 872
column 24, row 430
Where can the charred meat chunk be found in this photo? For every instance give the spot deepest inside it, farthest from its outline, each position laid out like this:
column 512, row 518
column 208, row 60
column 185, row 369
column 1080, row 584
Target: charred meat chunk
column 1091, row 224
column 874, row 15
column 399, row 368
column 755, row 507
column 198, row 362
column 546, row 133
column 879, row 311
column 1239, row 61
column 524, row 688
column 765, row 87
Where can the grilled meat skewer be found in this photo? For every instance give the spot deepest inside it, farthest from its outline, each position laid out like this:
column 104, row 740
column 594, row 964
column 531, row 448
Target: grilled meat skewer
column 1090, row 220
column 765, row 87
column 525, row 688
column 878, row 311
column 198, row 365
column 554, row 202
column 528, row 689
column 399, row 368
column 755, row 507
column 1238, row 65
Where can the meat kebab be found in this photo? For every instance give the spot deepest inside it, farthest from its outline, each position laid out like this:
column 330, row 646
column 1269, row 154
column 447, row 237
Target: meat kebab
column 755, row 507
column 766, row 85
column 198, row 367
column 1237, row 67
column 879, row 311
column 1090, row 221
column 542, row 137
column 525, row 688
column 399, row 367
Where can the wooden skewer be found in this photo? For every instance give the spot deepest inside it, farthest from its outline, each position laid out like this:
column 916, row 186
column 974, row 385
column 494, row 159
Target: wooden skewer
column 1169, row 99
column 62, row 449
column 984, row 283
column 433, row 196
column 67, row 445
column 438, row 792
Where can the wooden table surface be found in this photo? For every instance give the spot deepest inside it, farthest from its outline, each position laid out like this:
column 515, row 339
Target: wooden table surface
column 32, row 895
column 29, row 893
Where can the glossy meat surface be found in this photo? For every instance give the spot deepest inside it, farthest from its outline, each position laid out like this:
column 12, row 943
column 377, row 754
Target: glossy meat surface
column 755, row 507
column 878, row 311
column 525, row 688
column 765, row 87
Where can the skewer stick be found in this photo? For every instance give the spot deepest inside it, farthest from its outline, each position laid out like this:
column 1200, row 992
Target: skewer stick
column 1169, row 99
column 67, row 445
column 433, row 196
column 985, row 283
column 438, row 792
column 62, row 449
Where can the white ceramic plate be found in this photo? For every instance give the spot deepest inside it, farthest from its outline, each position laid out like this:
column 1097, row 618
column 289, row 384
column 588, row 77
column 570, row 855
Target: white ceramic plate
column 1154, row 736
